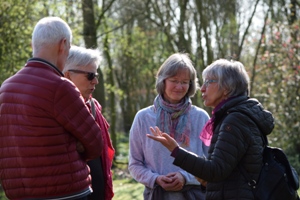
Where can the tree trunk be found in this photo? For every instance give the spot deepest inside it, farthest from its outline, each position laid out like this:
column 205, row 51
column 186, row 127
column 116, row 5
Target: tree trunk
column 90, row 40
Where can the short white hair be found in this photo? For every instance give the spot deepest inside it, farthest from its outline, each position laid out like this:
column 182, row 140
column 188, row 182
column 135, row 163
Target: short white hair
column 50, row 30
column 80, row 57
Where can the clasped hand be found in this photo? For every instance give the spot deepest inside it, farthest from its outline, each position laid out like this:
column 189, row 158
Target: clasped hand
column 173, row 181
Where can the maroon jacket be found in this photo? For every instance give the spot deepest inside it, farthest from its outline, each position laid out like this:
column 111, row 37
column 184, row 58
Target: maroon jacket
column 42, row 116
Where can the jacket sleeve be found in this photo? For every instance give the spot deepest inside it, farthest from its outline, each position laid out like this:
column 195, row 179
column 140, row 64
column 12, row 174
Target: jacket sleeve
column 226, row 152
column 74, row 116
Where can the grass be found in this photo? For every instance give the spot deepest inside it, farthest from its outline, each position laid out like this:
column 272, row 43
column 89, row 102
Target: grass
column 125, row 188
column 128, row 190
column 2, row 195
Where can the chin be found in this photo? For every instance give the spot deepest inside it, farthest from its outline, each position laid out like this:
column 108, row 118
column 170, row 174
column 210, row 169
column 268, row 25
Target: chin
column 206, row 104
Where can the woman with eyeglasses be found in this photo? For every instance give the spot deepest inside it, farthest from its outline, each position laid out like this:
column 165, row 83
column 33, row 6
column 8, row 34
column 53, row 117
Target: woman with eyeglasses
column 81, row 68
column 235, row 132
column 173, row 112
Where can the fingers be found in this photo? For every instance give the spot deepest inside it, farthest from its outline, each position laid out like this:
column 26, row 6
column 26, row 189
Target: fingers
column 177, row 179
column 166, row 179
column 172, row 186
column 176, row 185
column 180, row 177
column 164, row 182
column 155, row 131
column 163, row 138
column 156, row 134
column 171, row 174
column 171, row 181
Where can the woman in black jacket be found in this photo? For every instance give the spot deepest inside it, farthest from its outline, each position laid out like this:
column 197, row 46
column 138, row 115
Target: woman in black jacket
column 234, row 134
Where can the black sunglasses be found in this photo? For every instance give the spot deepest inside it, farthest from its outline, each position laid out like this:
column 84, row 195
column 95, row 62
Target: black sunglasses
column 90, row 75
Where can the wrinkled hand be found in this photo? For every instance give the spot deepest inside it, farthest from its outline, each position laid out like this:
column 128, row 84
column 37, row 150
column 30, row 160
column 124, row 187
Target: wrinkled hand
column 203, row 182
column 171, row 182
column 79, row 147
column 163, row 138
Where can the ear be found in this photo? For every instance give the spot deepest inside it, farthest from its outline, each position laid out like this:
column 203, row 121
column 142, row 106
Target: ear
column 67, row 75
column 225, row 93
column 62, row 45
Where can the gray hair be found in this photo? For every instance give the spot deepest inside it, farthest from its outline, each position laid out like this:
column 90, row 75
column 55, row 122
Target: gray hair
column 171, row 67
column 50, row 30
column 80, row 57
column 231, row 76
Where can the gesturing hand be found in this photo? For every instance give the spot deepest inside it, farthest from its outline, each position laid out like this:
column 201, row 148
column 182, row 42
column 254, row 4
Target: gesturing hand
column 163, row 138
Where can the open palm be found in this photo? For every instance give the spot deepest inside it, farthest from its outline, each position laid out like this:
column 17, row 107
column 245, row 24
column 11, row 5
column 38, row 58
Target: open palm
column 164, row 138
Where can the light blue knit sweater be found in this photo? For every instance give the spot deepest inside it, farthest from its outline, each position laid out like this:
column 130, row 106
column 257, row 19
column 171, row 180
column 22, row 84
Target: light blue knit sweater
column 149, row 159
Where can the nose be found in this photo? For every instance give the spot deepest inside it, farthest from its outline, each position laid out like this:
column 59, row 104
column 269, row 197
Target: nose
column 179, row 84
column 95, row 81
column 202, row 88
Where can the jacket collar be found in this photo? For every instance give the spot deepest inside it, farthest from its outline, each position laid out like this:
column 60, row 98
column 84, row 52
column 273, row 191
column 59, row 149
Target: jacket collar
column 46, row 63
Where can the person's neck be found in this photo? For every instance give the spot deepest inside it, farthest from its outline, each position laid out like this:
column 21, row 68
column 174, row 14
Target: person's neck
column 47, row 63
column 46, row 58
column 48, row 53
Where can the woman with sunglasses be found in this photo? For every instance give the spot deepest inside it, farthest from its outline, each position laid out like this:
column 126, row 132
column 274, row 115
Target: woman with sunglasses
column 235, row 131
column 81, row 68
column 172, row 111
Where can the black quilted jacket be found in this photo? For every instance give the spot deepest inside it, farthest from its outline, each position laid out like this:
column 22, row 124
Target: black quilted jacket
column 236, row 141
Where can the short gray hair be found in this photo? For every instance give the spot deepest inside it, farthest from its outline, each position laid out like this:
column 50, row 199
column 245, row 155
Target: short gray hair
column 50, row 30
column 231, row 76
column 80, row 57
column 170, row 68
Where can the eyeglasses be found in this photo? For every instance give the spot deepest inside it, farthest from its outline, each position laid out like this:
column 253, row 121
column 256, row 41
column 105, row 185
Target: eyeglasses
column 206, row 83
column 90, row 75
column 182, row 83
